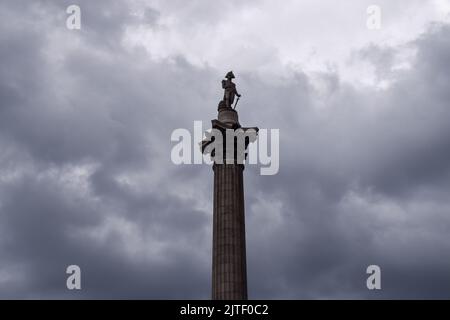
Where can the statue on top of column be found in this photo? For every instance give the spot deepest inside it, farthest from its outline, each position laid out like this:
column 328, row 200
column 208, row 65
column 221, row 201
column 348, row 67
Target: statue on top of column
column 230, row 91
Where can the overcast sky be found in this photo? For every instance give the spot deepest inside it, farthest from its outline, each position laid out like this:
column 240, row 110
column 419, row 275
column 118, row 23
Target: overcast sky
column 85, row 123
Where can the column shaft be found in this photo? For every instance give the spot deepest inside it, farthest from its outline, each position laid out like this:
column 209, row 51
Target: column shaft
column 229, row 279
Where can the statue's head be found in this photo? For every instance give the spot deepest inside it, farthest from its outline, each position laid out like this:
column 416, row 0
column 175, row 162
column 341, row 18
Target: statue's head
column 230, row 75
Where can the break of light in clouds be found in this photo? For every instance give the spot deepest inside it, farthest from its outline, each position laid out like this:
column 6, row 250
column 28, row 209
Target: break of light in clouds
column 272, row 39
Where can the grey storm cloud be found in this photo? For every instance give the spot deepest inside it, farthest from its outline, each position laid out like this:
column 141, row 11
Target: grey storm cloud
column 86, row 176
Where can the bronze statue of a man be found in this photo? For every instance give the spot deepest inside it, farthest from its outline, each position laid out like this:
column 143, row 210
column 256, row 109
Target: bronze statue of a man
column 230, row 89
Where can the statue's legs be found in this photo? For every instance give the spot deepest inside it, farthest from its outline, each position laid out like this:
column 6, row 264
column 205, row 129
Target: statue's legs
column 231, row 99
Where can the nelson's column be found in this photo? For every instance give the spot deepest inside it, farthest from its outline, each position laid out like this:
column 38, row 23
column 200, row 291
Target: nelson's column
column 227, row 144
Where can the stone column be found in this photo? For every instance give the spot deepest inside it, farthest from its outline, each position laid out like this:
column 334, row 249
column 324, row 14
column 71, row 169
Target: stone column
column 229, row 265
column 229, row 256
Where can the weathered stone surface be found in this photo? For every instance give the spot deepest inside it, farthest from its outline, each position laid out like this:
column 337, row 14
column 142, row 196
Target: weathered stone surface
column 229, row 252
column 228, row 116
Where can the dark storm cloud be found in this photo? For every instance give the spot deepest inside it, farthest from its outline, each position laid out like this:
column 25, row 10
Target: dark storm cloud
column 42, row 223
column 365, row 184
column 52, row 122
column 86, row 177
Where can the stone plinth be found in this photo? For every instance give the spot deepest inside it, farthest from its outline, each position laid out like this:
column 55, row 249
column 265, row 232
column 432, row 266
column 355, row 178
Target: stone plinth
column 228, row 116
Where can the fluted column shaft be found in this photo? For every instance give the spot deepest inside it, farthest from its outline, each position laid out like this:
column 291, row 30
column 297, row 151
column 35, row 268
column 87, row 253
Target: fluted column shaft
column 229, row 274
